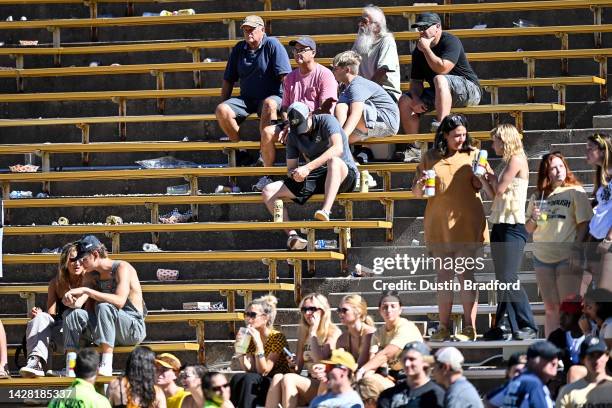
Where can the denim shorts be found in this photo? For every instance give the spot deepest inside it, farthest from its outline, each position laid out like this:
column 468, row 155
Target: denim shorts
column 244, row 107
column 553, row 265
column 463, row 91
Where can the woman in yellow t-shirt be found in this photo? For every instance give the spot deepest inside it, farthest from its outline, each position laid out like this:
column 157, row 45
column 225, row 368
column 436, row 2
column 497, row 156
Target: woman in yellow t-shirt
column 317, row 337
column 558, row 216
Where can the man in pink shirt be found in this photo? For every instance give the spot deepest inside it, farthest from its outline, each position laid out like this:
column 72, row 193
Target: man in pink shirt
column 310, row 83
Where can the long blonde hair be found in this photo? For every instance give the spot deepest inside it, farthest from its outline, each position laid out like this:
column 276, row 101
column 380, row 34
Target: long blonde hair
column 268, row 306
column 326, row 327
column 511, row 138
column 604, row 143
column 361, row 306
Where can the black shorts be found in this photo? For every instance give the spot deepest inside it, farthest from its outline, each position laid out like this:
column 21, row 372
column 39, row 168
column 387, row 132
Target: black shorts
column 315, row 184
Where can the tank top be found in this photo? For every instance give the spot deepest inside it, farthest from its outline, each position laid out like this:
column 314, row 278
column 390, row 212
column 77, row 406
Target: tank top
column 110, row 286
column 509, row 208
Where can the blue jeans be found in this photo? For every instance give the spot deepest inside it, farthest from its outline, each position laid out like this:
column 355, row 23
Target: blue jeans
column 507, row 246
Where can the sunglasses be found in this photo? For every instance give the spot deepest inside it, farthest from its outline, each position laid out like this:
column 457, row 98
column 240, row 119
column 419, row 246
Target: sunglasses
column 251, row 315
column 329, row 367
column 420, row 29
column 342, row 310
column 457, row 120
column 311, row 309
column 218, row 388
column 301, row 50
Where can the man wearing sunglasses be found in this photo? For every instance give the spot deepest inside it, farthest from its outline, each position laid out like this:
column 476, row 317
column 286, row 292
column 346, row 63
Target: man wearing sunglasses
column 260, row 63
column 120, row 308
column 310, row 83
column 340, row 394
column 439, row 60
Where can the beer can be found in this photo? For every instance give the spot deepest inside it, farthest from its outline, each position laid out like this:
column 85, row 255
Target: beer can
column 114, row 220
column 364, row 181
column 70, row 363
column 481, row 163
column 278, row 210
column 430, row 183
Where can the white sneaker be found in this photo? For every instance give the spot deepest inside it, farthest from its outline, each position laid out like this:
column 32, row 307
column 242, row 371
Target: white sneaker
column 33, row 369
column 296, row 243
column 105, row 371
column 261, row 183
column 322, row 215
column 371, row 182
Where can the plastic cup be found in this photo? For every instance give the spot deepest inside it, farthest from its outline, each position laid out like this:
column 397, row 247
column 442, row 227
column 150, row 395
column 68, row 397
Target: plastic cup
column 243, row 339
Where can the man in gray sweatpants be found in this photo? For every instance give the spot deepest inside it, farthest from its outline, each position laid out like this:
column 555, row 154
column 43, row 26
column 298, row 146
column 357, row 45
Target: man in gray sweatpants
column 120, row 309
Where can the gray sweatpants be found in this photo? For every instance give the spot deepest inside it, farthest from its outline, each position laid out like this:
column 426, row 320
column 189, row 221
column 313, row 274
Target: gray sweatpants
column 43, row 336
column 109, row 325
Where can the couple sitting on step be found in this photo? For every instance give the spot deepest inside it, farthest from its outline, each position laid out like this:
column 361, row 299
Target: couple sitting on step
column 92, row 299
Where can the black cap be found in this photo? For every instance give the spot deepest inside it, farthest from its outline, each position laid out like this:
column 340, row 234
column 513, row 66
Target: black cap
column 297, row 113
column 426, row 19
column 86, row 245
column 592, row 344
column 544, row 349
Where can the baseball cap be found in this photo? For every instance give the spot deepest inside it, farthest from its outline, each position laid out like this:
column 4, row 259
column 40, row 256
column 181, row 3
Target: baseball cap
column 252, row 21
column 168, row 360
column 451, row 356
column 341, row 357
column 426, row 19
column 86, row 245
column 592, row 344
column 305, row 41
column 298, row 117
column 417, row 346
column 544, row 349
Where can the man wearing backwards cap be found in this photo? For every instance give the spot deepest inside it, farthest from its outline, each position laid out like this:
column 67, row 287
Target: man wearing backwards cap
column 310, row 83
column 448, row 372
column 529, row 388
column 589, row 391
column 330, row 168
column 120, row 308
column 339, row 368
column 418, row 391
column 439, row 60
column 260, row 63
column 167, row 368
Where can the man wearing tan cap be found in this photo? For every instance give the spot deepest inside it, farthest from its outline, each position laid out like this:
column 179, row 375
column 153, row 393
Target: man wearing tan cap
column 167, row 367
column 260, row 63
column 340, row 368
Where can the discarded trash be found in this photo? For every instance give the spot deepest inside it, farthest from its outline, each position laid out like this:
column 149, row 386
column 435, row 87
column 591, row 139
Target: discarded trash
column 20, row 194
column 414, row 243
column 23, row 18
column 524, row 23
column 42, row 195
column 326, row 244
column 28, row 42
column 23, row 168
column 9, row 18
column 204, row 306
column 180, row 189
column 364, row 272
column 165, row 162
column 51, row 250
column 114, row 220
column 167, row 274
column 63, row 221
column 175, row 216
column 226, row 189
column 149, row 14
column 480, row 26
column 150, row 248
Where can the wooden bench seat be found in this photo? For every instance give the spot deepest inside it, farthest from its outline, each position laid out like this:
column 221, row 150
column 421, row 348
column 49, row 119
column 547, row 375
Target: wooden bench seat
column 84, row 123
column 160, row 347
column 196, row 319
column 229, row 291
column 268, row 258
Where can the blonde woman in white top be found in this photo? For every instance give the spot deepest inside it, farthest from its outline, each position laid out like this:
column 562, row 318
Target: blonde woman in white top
column 508, row 235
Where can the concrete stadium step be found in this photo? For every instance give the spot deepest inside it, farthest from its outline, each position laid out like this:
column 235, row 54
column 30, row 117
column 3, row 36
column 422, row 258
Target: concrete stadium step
column 602, row 121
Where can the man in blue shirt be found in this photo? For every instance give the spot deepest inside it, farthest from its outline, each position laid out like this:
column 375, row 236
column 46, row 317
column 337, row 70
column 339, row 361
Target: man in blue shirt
column 529, row 390
column 260, row 63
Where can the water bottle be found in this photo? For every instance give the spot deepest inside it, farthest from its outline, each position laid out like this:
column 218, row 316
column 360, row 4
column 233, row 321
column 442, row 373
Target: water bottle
column 326, row 244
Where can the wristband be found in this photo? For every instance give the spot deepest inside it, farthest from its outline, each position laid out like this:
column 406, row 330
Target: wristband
column 260, row 355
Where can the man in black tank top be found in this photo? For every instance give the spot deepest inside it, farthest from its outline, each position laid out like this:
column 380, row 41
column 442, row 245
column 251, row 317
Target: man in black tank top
column 120, row 309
